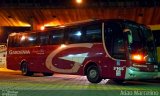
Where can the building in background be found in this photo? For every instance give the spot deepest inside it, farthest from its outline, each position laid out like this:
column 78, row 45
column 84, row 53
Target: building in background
column 3, row 52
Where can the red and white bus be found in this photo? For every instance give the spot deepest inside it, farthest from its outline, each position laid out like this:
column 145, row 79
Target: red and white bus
column 100, row 49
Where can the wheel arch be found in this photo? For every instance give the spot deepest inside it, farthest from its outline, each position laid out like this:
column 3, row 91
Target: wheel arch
column 90, row 64
column 22, row 62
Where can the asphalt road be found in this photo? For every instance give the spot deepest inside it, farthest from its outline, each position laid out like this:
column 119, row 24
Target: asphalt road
column 14, row 84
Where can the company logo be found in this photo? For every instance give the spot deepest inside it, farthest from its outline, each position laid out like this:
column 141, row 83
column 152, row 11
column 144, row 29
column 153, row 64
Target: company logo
column 72, row 57
column 78, row 58
column 19, row 52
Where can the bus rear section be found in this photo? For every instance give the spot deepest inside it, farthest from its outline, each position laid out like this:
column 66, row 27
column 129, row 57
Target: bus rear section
column 25, row 53
column 100, row 49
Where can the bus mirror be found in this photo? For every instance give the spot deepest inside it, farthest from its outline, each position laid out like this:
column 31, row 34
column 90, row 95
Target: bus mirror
column 128, row 35
column 130, row 39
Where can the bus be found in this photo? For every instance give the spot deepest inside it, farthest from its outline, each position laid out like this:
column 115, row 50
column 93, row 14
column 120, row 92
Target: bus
column 99, row 49
column 156, row 34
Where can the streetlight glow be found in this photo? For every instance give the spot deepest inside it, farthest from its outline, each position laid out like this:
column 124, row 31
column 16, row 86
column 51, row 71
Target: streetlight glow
column 79, row 1
column 42, row 28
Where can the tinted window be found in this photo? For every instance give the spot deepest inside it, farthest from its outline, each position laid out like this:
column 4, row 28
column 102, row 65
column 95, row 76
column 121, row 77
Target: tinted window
column 23, row 40
column 93, row 33
column 44, row 38
column 86, row 34
column 10, row 42
column 14, row 41
column 56, row 37
column 32, row 39
column 156, row 34
column 75, row 35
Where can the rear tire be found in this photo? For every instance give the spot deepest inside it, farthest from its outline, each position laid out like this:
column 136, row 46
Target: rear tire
column 47, row 74
column 93, row 74
column 25, row 70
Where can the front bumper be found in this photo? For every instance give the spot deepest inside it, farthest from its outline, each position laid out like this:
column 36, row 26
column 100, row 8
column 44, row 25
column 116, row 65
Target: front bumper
column 137, row 75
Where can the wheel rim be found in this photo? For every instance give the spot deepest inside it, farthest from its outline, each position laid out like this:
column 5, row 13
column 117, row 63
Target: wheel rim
column 92, row 73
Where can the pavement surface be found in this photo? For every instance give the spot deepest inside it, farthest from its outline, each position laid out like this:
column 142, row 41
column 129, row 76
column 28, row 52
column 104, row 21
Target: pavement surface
column 12, row 83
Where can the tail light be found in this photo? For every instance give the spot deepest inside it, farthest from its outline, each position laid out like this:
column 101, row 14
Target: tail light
column 138, row 57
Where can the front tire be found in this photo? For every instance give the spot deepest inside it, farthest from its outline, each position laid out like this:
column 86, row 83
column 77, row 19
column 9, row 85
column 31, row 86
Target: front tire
column 25, row 70
column 93, row 74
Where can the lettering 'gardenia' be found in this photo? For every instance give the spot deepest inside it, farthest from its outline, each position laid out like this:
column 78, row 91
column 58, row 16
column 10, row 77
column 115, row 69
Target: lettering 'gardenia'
column 19, row 52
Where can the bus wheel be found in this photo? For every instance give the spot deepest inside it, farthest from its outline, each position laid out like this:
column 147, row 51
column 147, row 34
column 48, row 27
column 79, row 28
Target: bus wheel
column 93, row 74
column 25, row 71
column 47, row 74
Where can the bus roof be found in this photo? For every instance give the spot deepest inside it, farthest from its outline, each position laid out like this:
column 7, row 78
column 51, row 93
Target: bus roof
column 90, row 21
column 73, row 24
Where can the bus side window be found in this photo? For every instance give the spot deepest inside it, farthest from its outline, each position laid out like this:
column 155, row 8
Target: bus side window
column 14, row 41
column 22, row 40
column 44, row 38
column 32, row 39
column 75, row 35
column 93, row 33
column 10, row 41
column 156, row 34
column 56, row 37
column 17, row 41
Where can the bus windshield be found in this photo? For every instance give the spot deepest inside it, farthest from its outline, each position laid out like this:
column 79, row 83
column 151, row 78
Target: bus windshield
column 141, row 41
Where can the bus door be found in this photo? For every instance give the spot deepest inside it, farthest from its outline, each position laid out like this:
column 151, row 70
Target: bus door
column 116, row 49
